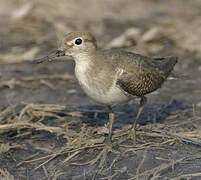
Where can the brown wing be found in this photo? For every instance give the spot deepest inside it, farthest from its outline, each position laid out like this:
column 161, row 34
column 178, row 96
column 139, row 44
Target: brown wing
column 139, row 75
column 141, row 81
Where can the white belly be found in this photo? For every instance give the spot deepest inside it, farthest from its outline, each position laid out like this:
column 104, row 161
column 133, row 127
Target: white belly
column 113, row 96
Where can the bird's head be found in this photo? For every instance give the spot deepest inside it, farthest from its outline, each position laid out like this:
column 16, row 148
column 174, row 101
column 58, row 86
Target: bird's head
column 78, row 43
column 74, row 44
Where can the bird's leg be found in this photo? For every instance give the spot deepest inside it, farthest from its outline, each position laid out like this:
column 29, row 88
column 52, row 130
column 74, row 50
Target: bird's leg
column 111, row 121
column 143, row 101
column 108, row 147
column 109, row 144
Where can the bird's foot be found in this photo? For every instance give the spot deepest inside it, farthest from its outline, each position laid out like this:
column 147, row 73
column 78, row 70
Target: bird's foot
column 109, row 146
column 124, row 135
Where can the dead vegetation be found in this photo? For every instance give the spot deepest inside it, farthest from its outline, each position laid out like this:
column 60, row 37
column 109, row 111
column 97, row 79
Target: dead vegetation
column 87, row 140
column 35, row 82
column 5, row 175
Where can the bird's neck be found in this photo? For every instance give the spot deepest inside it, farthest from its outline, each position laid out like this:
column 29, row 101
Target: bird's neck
column 83, row 62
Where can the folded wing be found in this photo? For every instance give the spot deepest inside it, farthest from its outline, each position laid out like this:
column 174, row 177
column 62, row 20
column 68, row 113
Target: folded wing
column 144, row 75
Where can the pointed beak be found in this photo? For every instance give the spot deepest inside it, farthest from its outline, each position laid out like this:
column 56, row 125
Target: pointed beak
column 58, row 53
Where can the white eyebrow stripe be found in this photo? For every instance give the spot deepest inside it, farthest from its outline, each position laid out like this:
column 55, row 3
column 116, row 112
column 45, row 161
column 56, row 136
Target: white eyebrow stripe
column 70, row 43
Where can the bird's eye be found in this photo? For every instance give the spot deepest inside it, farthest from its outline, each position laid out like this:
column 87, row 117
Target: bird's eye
column 78, row 41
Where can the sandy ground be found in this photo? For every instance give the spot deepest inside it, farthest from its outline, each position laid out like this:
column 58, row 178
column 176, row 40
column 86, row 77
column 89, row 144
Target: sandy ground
column 47, row 124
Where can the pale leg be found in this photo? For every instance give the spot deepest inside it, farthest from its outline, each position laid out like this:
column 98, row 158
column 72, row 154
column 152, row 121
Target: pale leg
column 111, row 121
column 143, row 101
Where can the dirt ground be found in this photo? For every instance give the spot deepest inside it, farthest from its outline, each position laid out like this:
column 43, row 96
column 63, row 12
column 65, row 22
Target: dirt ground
column 48, row 128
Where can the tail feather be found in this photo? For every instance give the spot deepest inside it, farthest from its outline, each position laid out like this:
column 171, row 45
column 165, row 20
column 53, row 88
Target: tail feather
column 167, row 63
column 178, row 76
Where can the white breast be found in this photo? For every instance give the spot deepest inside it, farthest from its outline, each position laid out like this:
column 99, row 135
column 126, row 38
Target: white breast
column 112, row 97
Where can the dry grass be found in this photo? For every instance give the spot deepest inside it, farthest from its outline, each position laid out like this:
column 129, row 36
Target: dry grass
column 89, row 140
column 157, row 171
column 36, row 81
column 5, row 175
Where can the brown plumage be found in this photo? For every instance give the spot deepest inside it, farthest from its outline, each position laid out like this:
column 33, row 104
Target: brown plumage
column 112, row 77
column 144, row 75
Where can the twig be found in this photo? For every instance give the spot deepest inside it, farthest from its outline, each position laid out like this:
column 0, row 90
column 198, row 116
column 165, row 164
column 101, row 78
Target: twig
column 13, row 82
column 187, row 176
column 20, row 125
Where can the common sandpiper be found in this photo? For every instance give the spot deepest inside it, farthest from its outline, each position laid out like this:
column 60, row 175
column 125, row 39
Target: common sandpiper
column 113, row 77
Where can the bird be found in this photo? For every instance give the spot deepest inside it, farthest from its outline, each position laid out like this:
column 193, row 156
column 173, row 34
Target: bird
column 113, row 77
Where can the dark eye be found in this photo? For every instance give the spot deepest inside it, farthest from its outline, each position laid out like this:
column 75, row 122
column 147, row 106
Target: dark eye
column 78, row 41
